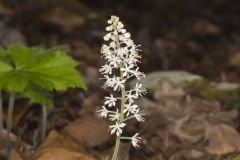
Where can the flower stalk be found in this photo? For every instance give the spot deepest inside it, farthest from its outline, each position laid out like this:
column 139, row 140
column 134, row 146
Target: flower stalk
column 121, row 55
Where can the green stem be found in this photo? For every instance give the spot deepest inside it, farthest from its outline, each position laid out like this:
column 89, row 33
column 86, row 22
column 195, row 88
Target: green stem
column 118, row 139
column 128, row 138
column 44, row 122
column 116, row 149
column 1, row 116
column 126, row 119
column 9, row 119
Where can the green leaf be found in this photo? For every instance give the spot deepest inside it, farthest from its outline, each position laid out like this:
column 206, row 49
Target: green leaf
column 50, row 69
column 38, row 95
column 21, row 55
column 237, row 158
column 4, row 67
column 3, row 53
column 13, row 81
column 56, row 71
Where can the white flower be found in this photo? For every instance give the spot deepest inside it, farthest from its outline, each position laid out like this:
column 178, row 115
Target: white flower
column 130, row 97
column 136, row 140
column 115, row 116
column 114, row 19
column 127, row 35
column 107, row 37
column 139, row 115
column 118, row 83
column 117, row 128
column 139, row 90
column 121, row 52
column 114, row 61
column 109, row 81
column 106, row 69
column 127, row 69
column 128, row 108
column 109, row 28
column 131, row 60
column 129, row 42
column 119, row 25
column 103, row 112
column 138, row 74
column 105, row 49
column 122, row 30
column 110, row 101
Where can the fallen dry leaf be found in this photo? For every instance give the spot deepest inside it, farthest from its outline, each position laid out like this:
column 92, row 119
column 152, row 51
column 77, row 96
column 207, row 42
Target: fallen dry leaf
column 234, row 60
column 205, row 27
column 183, row 135
column 166, row 90
column 59, row 147
column 226, row 117
column 193, row 154
column 14, row 155
column 10, row 35
column 222, row 139
column 89, row 104
column 5, row 10
column 89, row 131
column 19, row 112
column 81, row 50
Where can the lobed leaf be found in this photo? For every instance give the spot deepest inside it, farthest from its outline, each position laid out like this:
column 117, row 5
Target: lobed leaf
column 34, row 70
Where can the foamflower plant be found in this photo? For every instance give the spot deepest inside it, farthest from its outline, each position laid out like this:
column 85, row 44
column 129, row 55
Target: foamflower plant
column 121, row 55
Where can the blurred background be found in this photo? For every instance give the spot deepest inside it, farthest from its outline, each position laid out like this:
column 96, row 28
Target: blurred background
column 196, row 40
column 200, row 36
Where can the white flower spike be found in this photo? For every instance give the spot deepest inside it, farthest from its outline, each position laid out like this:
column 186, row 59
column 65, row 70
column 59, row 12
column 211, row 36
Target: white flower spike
column 122, row 58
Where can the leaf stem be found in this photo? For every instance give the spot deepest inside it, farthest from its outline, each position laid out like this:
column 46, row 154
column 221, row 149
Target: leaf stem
column 1, row 116
column 44, row 122
column 9, row 119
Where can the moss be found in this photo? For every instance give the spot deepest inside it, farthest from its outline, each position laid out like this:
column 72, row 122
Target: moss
column 210, row 90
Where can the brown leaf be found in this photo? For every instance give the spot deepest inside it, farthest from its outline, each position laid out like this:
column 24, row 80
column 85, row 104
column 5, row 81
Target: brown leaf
column 10, row 35
column 222, row 139
column 59, row 147
column 165, row 90
column 19, row 112
column 81, row 50
column 234, row 60
column 205, row 27
column 14, row 155
column 183, row 135
column 4, row 10
column 89, row 131
column 193, row 154
column 63, row 18
column 89, row 104
column 226, row 117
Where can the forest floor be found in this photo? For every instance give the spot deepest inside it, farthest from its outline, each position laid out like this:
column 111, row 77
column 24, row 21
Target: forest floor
column 190, row 53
